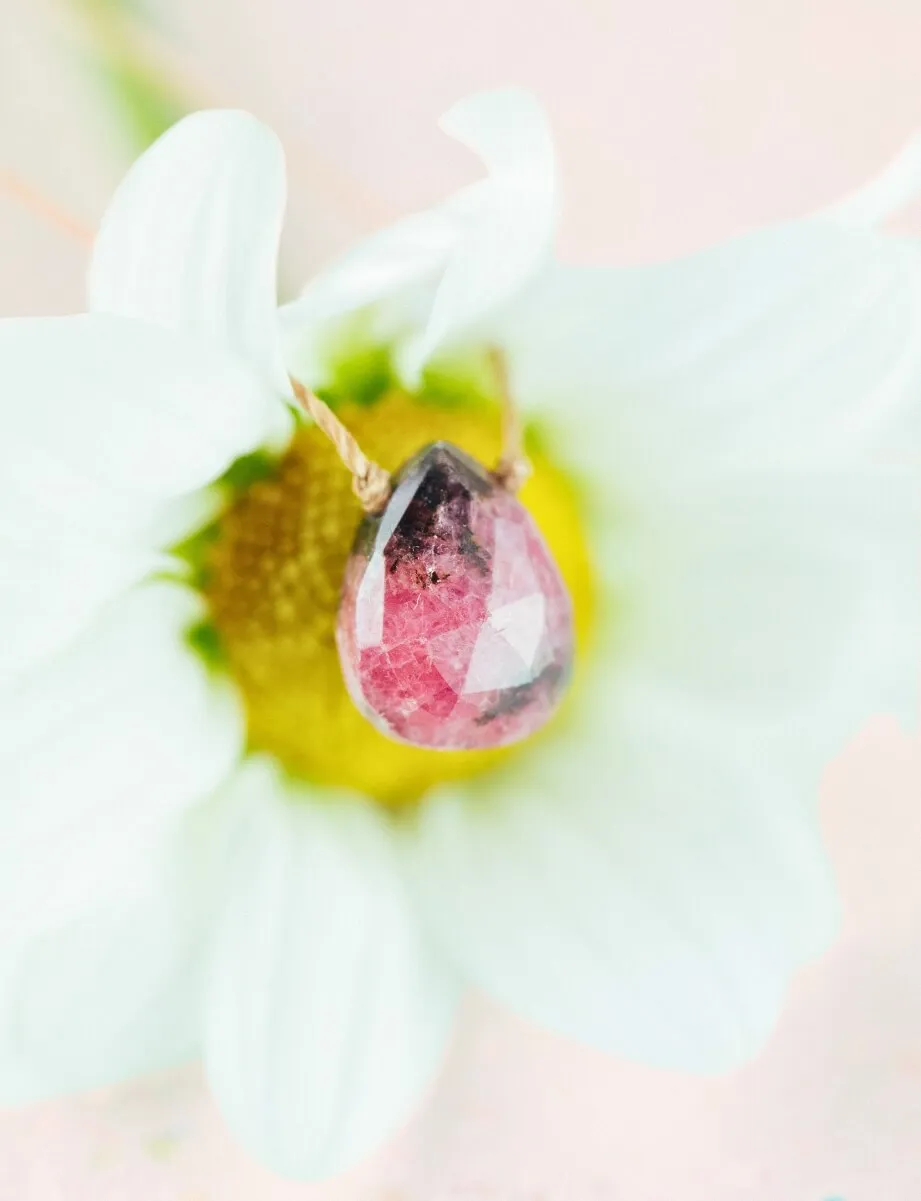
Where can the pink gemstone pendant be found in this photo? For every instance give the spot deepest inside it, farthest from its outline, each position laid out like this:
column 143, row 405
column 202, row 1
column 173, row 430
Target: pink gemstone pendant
column 455, row 627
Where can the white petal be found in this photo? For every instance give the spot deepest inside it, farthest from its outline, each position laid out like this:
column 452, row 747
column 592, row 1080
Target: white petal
column 795, row 346
column 789, row 602
column 190, row 239
column 327, row 1013
column 102, row 421
column 409, row 252
column 511, row 238
column 100, row 749
column 883, row 196
column 114, row 990
column 634, row 890
column 745, row 420
column 51, row 591
column 100, row 412
column 472, row 253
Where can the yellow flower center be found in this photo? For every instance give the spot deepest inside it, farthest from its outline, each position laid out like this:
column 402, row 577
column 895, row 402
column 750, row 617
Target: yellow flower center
column 273, row 572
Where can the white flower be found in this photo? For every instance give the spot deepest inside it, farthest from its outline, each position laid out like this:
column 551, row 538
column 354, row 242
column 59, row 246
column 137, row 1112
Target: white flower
column 648, row 877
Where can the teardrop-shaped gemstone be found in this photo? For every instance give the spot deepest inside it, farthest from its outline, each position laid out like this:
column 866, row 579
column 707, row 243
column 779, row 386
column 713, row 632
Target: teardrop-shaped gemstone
column 455, row 628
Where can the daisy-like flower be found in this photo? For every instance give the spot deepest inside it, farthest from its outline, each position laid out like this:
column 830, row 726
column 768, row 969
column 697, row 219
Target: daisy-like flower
column 207, row 850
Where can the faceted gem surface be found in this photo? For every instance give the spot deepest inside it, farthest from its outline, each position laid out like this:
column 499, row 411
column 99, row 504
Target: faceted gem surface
column 455, row 627
column 272, row 565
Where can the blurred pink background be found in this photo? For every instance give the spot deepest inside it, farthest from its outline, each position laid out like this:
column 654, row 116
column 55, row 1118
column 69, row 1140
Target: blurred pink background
column 677, row 124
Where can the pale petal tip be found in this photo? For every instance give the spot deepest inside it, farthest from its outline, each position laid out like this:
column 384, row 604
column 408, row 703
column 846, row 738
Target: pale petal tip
column 897, row 185
column 508, row 130
column 503, row 104
column 190, row 239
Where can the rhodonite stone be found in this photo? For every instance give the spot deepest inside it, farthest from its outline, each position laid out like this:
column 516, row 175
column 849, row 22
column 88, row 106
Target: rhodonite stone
column 455, row 628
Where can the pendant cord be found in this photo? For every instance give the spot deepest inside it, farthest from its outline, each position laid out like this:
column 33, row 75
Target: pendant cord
column 370, row 483
column 514, row 467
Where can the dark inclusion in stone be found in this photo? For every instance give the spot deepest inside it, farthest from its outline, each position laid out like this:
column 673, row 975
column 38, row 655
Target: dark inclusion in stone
column 455, row 629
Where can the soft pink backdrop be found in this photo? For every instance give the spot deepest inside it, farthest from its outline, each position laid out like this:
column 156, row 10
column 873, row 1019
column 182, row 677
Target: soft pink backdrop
column 677, row 124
